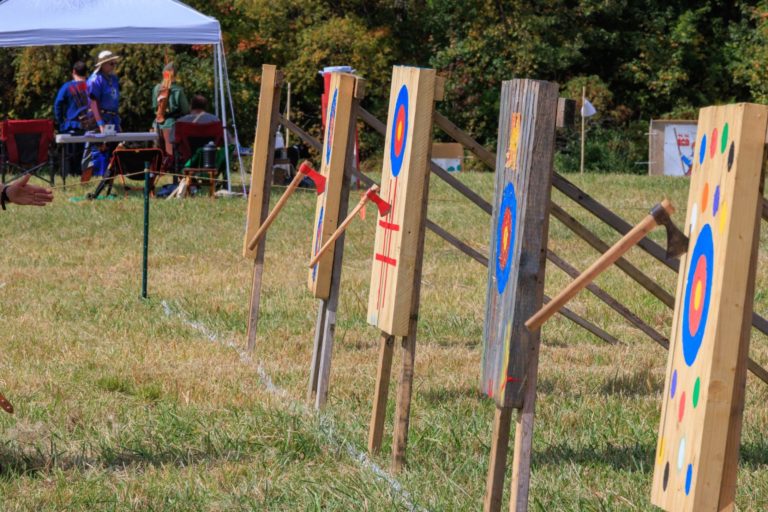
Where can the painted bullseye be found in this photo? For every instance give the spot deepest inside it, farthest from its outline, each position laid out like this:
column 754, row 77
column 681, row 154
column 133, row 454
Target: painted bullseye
column 505, row 236
column 698, row 292
column 724, row 139
column 399, row 135
column 702, row 149
column 713, row 147
column 330, row 126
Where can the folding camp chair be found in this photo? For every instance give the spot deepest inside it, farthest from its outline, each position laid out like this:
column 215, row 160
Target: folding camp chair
column 189, row 138
column 26, row 147
column 131, row 162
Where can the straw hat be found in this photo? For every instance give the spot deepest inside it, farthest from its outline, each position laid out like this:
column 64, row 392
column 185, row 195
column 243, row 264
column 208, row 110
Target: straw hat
column 104, row 57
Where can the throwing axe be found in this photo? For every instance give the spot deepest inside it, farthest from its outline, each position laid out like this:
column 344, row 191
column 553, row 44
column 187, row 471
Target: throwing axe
column 304, row 170
column 370, row 195
column 677, row 244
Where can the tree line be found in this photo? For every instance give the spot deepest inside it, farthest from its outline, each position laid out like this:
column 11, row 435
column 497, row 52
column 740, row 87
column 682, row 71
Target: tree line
column 638, row 59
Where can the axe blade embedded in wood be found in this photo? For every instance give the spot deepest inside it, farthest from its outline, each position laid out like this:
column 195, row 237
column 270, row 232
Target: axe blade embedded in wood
column 370, row 195
column 677, row 242
column 382, row 205
column 660, row 215
column 317, row 178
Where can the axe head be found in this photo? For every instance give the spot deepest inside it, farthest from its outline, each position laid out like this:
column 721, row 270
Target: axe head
column 382, row 205
column 677, row 242
column 317, row 178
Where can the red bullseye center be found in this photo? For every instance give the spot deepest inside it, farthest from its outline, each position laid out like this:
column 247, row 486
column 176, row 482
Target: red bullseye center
column 698, row 293
column 399, row 130
column 506, row 232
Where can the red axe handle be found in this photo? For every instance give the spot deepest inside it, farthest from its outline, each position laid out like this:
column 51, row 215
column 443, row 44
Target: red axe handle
column 278, row 206
column 336, row 234
column 316, row 177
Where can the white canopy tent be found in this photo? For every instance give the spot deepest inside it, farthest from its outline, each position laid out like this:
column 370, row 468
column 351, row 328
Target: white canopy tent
column 90, row 22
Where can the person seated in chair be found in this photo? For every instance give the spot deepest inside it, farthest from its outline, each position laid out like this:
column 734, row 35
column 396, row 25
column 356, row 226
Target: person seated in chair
column 197, row 111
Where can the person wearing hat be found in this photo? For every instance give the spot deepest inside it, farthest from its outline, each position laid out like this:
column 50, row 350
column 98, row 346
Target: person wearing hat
column 104, row 94
column 169, row 102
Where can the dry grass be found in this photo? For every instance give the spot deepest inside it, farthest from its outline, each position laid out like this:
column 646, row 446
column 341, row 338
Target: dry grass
column 124, row 404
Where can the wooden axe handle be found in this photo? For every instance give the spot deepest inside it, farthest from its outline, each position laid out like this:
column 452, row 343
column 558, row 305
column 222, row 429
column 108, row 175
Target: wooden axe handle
column 343, row 226
column 606, row 260
column 278, row 206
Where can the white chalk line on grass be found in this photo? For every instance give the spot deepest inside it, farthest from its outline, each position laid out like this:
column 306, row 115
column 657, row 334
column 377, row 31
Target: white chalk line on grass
column 327, row 425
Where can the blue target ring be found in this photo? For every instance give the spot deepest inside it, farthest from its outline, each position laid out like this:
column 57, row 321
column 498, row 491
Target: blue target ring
column 698, row 292
column 318, row 241
column 331, row 124
column 399, row 135
column 506, row 224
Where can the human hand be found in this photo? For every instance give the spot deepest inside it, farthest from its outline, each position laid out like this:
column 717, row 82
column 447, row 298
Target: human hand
column 21, row 192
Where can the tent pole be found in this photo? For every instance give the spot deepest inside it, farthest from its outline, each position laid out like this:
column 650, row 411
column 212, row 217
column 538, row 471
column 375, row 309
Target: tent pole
column 216, row 80
column 234, row 119
column 219, row 50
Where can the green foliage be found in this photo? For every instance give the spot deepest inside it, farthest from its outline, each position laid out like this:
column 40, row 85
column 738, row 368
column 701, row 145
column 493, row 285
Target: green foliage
column 638, row 60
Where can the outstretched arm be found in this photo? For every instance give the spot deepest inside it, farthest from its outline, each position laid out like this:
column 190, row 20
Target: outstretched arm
column 21, row 192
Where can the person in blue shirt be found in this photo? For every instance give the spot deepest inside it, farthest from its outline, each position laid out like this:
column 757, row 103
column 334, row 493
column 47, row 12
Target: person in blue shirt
column 104, row 93
column 71, row 112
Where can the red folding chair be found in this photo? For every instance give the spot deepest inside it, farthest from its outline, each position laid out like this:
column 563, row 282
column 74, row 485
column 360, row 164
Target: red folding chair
column 188, row 139
column 26, row 147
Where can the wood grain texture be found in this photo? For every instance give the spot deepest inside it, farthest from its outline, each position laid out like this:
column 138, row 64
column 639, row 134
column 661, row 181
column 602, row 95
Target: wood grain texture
column 404, row 176
column 518, row 235
column 263, row 154
column 697, row 450
column 333, row 160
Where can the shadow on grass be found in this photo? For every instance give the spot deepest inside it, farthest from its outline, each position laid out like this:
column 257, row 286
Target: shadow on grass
column 631, row 458
column 639, row 383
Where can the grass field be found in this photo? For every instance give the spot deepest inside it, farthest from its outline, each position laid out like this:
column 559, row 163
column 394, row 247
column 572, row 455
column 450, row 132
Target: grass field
column 124, row 404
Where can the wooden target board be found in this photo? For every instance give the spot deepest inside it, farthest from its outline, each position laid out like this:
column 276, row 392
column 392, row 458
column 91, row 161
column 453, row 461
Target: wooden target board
column 525, row 153
column 404, row 175
column 263, row 154
column 333, row 160
column 697, row 449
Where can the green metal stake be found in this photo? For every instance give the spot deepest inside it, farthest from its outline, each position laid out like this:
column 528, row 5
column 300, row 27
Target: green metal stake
column 146, row 232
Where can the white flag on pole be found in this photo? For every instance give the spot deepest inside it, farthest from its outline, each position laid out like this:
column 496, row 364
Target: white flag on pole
column 587, row 109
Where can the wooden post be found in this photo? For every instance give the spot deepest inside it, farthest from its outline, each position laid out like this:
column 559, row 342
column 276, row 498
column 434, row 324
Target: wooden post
column 381, row 393
column 520, row 223
column 261, row 181
column 701, row 417
column 583, row 124
column 324, row 278
column 494, row 485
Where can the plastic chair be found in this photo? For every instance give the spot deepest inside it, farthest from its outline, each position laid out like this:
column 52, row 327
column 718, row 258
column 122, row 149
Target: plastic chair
column 188, row 139
column 26, row 147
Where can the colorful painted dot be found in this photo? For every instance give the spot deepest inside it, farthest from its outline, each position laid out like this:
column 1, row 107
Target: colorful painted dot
column 724, row 139
column 681, row 408
column 688, row 479
column 694, row 218
column 716, row 200
column 713, row 147
column 702, row 149
column 665, row 481
column 704, row 197
column 696, row 392
column 723, row 215
column 731, row 156
column 681, row 454
column 673, row 385
column 660, row 455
